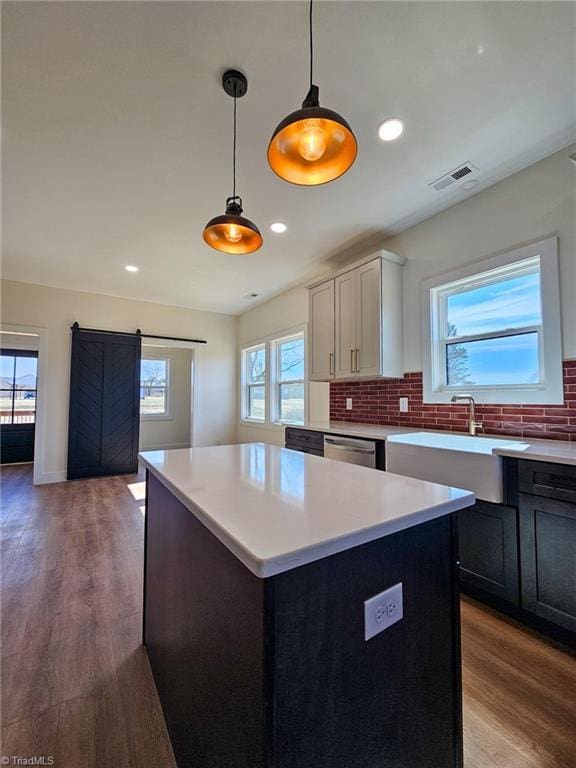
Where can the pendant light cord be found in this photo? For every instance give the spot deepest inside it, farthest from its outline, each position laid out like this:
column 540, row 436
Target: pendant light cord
column 234, row 151
column 311, row 47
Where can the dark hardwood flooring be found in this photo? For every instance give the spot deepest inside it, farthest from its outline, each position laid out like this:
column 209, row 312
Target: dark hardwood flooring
column 76, row 684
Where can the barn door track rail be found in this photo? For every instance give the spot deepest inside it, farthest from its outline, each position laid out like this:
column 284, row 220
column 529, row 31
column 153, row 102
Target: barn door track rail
column 76, row 327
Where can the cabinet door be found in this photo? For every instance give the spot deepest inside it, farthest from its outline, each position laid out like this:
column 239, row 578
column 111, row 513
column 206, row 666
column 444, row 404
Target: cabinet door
column 368, row 319
column 345, row 288
column 321, row 332
column 488, row 549
column 548, row 552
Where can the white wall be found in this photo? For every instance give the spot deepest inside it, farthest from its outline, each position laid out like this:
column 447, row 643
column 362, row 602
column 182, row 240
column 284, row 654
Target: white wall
column 215, row 385
column 172, row 431
column 530, row 205
column 286, row 311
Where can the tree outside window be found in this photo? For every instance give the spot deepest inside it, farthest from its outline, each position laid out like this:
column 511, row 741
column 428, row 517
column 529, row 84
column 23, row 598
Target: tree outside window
column 153, row 387
column 290, row 380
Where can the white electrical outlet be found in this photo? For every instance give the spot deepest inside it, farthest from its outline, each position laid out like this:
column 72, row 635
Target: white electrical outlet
column 348, row 403
column 383, row 610
column 403, row 404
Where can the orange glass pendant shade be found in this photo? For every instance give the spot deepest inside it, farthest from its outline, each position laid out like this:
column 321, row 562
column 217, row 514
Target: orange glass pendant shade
column 232, row 232
column 312, row 146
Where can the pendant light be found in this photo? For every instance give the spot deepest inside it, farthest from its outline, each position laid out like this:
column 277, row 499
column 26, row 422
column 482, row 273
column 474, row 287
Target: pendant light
column 313, row 145
column 232, row 232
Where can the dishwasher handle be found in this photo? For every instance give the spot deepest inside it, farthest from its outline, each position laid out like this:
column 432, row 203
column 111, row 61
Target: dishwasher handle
column 351, row 446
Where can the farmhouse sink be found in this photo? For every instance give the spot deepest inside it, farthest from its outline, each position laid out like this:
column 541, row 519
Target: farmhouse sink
column 461, row 461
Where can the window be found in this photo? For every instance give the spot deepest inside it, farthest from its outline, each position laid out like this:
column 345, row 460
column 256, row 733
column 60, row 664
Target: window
column 154, row 399
column 493, row 330
column 18, row 381
column 289, row 396
column 255, row 360
column 274, row 380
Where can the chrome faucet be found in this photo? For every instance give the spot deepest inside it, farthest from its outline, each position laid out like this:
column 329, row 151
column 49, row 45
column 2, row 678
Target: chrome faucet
column 473, row 425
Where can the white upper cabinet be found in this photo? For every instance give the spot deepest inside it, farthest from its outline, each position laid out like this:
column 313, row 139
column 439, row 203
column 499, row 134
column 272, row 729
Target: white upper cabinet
column 368, row 318
column 345, row 289
column 321, row 332
column 357, row 316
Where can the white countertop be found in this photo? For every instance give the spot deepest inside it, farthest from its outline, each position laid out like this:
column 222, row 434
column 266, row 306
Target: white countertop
column 277, row 509
column 554, row 451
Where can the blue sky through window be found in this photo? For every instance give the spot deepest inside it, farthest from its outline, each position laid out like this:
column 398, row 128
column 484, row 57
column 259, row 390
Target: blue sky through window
column 512, row 303
column 507, row 304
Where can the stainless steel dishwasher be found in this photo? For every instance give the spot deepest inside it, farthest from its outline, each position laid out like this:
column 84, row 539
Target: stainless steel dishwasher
column 350, row 449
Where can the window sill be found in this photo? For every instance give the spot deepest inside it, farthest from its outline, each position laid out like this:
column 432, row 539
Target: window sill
column 551, row 395
column 156, row 417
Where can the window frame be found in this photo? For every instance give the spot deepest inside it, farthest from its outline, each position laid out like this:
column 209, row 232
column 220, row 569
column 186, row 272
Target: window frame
column 247, row 386
column 166, row 414
column 435, row 293
column 271, row 380
column 277, row 383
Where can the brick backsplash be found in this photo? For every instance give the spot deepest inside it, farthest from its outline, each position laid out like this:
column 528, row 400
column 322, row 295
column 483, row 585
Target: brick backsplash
column 376, row 402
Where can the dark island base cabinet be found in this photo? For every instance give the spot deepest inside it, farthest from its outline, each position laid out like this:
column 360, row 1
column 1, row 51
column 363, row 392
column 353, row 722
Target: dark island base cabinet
column 276, row 673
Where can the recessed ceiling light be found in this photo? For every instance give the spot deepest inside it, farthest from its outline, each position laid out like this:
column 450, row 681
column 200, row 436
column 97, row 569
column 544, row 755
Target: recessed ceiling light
column 130, row 268
column 470, row 184
column 390, row 129
column 278, row 227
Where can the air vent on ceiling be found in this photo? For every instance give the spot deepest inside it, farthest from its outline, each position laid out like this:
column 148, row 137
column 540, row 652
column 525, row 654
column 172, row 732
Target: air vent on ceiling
column 449, row 178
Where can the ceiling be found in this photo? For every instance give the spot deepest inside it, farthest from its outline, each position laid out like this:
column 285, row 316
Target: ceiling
column 117, row 135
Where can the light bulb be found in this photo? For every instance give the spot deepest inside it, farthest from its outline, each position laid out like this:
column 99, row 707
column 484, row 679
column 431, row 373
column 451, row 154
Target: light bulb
column 312, row 141
column 232, row 233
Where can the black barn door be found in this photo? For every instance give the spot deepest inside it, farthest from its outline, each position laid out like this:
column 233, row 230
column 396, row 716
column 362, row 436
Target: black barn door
column 104, row 422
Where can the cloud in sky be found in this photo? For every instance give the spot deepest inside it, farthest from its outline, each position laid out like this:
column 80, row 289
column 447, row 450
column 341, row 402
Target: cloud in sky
column 512, row 303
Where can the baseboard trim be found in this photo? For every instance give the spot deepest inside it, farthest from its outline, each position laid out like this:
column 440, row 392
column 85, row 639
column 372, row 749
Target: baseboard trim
column 43, row 478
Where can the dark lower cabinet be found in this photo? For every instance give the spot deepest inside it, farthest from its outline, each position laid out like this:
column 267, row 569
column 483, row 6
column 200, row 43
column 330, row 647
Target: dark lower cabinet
column 548, row 552
column 305, row 440
column 520, row 557
column 488, row 549
column 311, row 441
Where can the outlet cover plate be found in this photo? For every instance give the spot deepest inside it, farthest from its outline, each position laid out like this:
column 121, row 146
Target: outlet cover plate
column 383, row 610
column 348, row 403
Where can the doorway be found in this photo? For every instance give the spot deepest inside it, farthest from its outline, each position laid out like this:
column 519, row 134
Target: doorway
column 18, row 398
column 166, row 395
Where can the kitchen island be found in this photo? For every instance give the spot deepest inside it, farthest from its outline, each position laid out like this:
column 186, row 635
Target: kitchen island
column 259, row 562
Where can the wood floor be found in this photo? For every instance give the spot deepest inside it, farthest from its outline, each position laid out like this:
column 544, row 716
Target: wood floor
column 76, row 684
